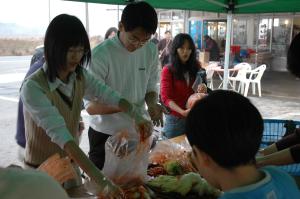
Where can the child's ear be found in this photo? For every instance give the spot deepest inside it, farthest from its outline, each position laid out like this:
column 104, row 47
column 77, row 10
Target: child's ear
column 202, row 158
column 120, row 26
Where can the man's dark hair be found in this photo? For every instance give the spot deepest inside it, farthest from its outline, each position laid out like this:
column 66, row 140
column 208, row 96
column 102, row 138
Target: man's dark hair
column 226, row 126
column 139, row 14
column 192, row 65
column 293, row 63
column 63, row 32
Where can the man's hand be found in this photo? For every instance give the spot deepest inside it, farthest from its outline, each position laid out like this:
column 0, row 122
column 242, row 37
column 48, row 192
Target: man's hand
column 156, row 113
column 144, row 127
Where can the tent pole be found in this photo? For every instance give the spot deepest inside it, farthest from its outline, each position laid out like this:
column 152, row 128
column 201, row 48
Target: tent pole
column 118, row 14
column 227, row 50
column 49, row 11
column 87, row 21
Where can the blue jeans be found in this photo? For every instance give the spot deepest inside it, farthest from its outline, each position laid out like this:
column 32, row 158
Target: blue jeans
column 173, row 126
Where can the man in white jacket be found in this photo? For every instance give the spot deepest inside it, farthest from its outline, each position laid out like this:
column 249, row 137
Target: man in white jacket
column 128, row 63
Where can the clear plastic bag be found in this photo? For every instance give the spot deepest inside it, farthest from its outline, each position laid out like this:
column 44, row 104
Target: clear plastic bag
column 200, row 78
column 126, row 159
column 169, row 150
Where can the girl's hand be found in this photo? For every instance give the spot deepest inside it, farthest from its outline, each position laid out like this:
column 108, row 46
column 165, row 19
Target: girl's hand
column 202, row 88
column 112, row 192
column 105, row 190
column 184, row 113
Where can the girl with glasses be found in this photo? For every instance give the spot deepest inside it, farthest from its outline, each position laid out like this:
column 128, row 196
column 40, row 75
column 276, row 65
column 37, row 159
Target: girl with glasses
column 53, row 95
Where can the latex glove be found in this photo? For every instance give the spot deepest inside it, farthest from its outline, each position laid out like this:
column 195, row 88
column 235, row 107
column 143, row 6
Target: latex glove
column 156, row 114
column 115, row 194
column 110, row 191
column 144, row 127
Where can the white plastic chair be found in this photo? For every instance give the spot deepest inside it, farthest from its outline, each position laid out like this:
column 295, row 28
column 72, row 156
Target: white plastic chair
column 243, row 69
column 210, row 74
column 255, row 78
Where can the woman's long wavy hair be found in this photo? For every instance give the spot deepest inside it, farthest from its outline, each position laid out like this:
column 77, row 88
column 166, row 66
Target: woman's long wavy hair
column 177, row 67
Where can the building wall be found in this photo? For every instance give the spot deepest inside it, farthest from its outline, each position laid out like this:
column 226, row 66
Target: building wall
column 254, row 40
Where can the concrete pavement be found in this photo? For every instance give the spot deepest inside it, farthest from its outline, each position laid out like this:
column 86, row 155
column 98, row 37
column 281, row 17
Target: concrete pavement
column 280, row 96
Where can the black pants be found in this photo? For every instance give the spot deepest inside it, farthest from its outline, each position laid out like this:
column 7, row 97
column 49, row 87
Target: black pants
column 97, row 151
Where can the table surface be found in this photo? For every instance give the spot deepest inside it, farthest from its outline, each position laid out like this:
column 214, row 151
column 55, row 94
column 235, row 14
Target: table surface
column 220, row 69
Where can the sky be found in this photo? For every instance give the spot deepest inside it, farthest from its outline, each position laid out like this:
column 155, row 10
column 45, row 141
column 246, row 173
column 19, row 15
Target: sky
column 35, row 13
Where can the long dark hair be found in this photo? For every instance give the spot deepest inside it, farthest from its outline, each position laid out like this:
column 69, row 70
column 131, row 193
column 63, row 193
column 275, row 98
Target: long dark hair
column 63, row 32
column 177, row 67
column 109, row 31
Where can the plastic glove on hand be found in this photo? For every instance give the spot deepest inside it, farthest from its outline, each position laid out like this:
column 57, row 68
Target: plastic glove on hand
column 109, row 191
column 144, row 127
column 156, row 113
column 112, row 192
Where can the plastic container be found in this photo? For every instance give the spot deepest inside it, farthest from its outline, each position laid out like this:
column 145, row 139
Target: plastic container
column 235, row 49
column 274, row 130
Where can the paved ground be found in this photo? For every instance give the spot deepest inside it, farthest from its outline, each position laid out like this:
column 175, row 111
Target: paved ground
column 280, row 99
column 280, row 96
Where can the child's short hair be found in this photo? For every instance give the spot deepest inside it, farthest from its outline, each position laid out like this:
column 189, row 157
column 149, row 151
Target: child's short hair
column 226, row 126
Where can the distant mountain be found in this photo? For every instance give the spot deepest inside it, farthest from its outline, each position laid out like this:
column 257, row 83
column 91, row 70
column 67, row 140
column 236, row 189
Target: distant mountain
column 11, row 30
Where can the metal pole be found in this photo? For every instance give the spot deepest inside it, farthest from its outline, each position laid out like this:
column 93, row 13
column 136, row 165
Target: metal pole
column 271, row 34
column 87, row 22
column 49, row 15
column 227, row 49
column 186, row 20
column 257, row 39
column 118, row 15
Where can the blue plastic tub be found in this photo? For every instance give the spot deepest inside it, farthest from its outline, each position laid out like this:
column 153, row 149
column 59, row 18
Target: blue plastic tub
column 274, row 130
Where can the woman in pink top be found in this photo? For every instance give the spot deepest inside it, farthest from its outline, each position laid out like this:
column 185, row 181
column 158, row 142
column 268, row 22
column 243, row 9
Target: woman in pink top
column 176, row 83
